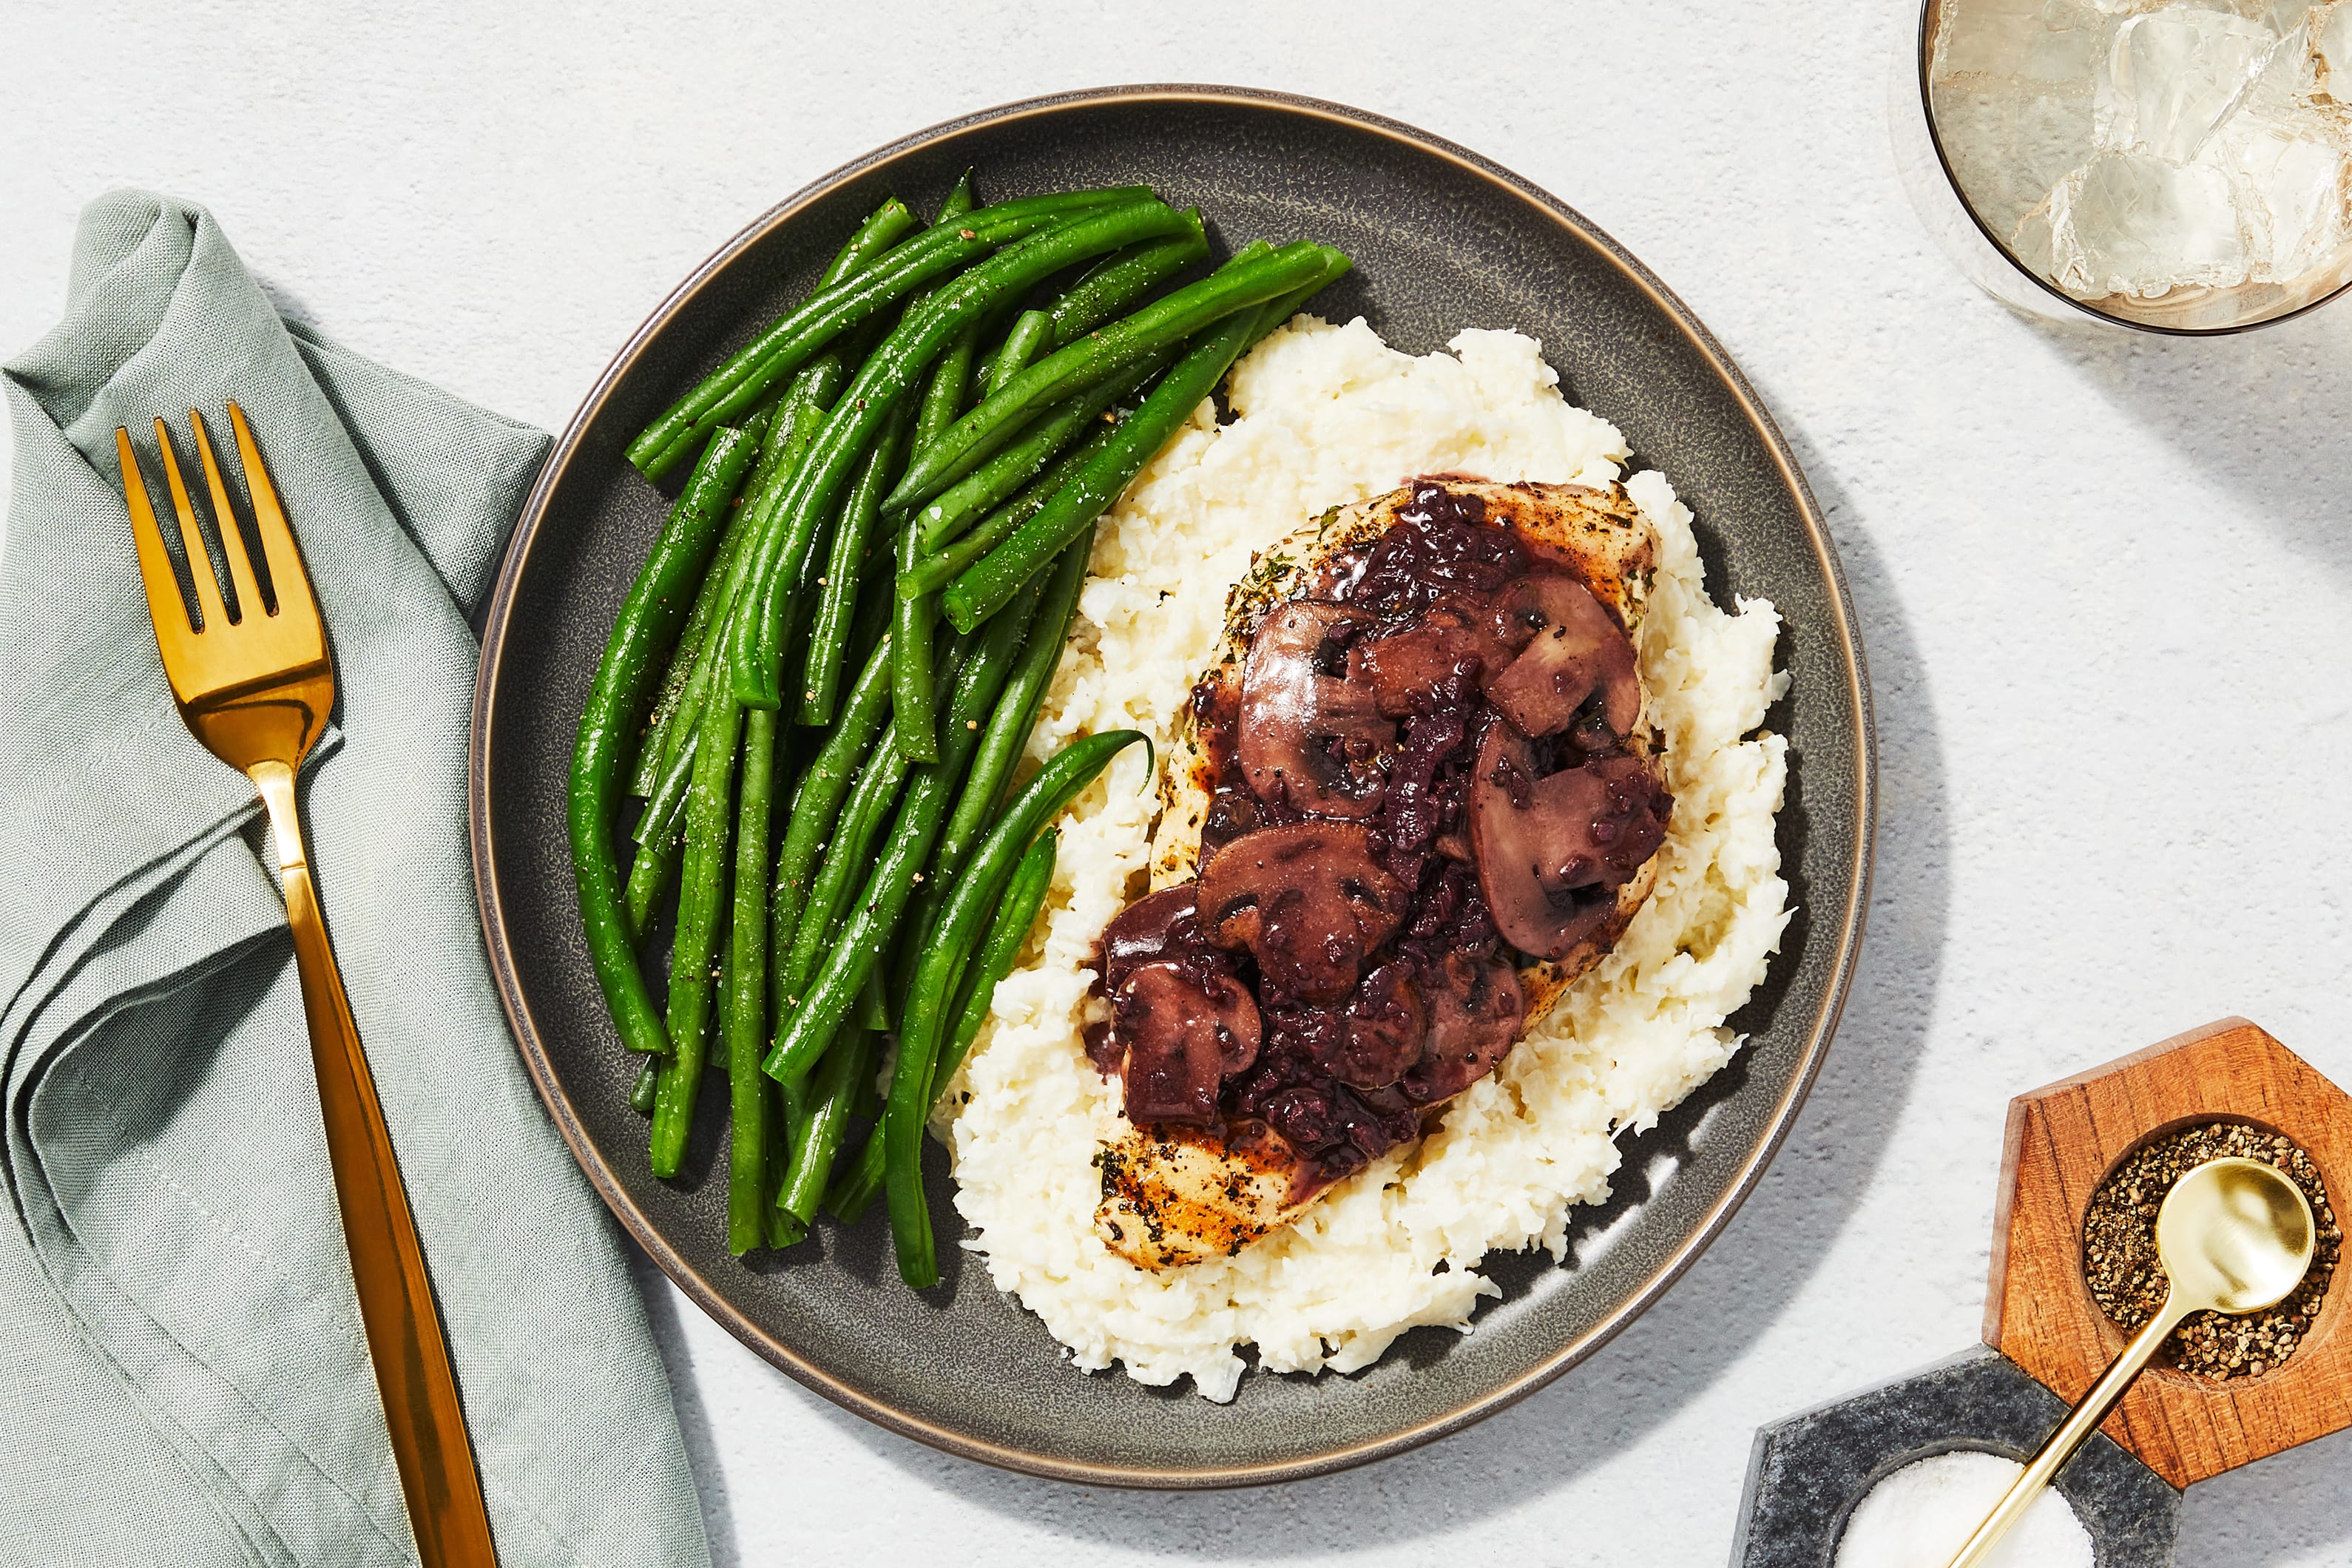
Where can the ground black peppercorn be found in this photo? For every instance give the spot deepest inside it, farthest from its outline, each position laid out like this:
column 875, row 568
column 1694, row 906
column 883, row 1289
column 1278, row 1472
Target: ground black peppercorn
column 2127, row 1280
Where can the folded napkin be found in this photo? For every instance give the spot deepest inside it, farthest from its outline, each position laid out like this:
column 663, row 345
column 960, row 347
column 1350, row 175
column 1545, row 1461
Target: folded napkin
column 185, row 1381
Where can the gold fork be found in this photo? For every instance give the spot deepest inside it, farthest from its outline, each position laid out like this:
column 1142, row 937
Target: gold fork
column 256, row 691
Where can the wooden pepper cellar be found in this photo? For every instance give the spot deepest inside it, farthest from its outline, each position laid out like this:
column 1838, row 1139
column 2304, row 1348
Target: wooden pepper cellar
column 2062, row 1141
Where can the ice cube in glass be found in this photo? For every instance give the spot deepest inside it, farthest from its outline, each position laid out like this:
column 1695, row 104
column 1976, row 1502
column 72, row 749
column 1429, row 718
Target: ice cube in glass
column 2129, row 223
column 2171, row 77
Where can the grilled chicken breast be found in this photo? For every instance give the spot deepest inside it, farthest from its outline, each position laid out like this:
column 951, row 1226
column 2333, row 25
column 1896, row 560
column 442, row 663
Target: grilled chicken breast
column 1424, row 730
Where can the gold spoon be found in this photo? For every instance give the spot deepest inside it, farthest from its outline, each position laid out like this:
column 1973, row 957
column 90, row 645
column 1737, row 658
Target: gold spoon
column 2235, row 1236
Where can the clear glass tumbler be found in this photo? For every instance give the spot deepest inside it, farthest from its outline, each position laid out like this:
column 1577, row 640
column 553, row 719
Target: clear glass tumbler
column 2174, row 166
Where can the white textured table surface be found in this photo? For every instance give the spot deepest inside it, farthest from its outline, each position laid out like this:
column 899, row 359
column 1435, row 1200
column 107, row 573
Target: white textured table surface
column 2105, row 584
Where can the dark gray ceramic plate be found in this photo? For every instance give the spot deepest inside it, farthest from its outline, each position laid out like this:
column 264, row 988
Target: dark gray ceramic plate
column 1442, row 240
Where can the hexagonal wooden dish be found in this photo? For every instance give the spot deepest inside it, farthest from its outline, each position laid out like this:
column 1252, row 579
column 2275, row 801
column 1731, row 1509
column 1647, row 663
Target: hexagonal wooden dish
column 2062, row 1141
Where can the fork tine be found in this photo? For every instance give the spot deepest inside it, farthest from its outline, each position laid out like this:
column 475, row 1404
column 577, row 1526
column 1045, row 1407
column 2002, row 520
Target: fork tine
column 240, row 570
column 192, row 538
column 166, row 604
column 289, row 577
column 224, row 516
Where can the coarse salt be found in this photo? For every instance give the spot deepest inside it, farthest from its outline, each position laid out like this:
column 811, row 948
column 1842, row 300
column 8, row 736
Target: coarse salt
column 1923, row 1513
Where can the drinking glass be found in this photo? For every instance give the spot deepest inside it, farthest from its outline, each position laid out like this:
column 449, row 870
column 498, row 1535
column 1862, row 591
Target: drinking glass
column 2196, row 152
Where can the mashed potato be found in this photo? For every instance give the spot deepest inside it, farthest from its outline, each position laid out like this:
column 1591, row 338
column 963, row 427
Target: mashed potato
column 1330, row 414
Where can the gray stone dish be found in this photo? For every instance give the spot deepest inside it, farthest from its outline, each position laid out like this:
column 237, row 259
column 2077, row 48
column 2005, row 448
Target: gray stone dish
column 1808, row 1471
column 1442, row 240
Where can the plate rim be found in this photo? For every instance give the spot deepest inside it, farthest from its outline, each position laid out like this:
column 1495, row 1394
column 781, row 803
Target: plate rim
column 1822, row 1027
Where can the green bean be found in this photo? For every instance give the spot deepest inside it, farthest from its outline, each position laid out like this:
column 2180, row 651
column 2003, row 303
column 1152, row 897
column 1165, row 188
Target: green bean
column 701, row 880
column 860, row 1184
column 813, row 390
column 784, row 1229
column 886, row 375
column 1007, row 735
column 701, row 875
column 913, row 626
column 960, row 199
column 941, row 401
column 1237, row 287
column 872, row 1011
column 747, row 991
column 873, row 920
column 794, row 1097
column 948, row 385
column 875, row 605
column 650, row 875
column 945, row 386
column 846, row 862
column 641, row 1095
column 722, row 998
column 1278, row 311
column 1008, row 932
column 668, row 795
column 1019, row 460
column 648, row 770
column 1122, row 280
column 648, row 621
column 800, row 335
column 989, row 583
column 808, row 944
column 807, row 398
column 816, row 803
column 1031, row 334
column 802, row 601
column 674, row 708
column 913, row 622
column 1000, row 744
column 999, row 645
column 832, row 1093
column 853, row 539
column 944, row 954
column 935, row 572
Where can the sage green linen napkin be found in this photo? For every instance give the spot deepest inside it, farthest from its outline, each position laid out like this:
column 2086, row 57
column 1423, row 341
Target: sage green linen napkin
column 185, row 1381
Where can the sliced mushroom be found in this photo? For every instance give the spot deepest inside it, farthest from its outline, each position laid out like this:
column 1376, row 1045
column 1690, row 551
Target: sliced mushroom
column 1553, row 848
column 1382, row 1032
column 1309, row 736
column 1474, row 1011
column 1409, row 670
column 1308, row 900
column 1184, row 1029
column 1144, row 930
column 1568, row 646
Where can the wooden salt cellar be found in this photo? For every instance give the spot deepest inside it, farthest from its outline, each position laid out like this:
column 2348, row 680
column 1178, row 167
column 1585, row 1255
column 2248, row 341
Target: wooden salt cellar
column 2062, row 1141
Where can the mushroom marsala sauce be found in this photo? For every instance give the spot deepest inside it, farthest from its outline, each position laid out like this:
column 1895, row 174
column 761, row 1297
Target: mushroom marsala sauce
column 1423, row 779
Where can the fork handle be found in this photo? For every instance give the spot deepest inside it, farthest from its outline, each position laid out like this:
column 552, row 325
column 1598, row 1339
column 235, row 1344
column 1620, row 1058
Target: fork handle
column 404, row 1329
